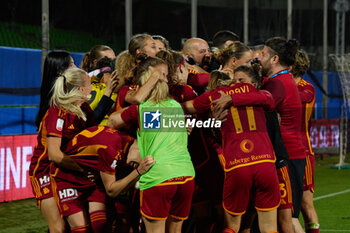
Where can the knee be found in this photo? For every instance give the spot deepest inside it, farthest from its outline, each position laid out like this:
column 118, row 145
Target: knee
column 58, row 228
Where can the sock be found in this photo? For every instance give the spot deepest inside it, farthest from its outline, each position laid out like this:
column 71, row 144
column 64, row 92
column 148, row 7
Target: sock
column 79, row 229
column 313, row 227
column 312, row 230
column 98, row 221
column 229, row 230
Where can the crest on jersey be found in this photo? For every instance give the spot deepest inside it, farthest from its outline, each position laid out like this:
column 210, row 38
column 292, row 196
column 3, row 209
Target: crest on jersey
column 59, row 124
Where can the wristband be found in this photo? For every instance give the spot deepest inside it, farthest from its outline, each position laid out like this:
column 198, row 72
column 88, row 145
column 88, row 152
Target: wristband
column 138, row 172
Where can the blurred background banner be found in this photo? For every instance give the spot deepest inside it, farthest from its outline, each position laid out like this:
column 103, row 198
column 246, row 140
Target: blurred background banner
column 15, row 155
column 20, row 89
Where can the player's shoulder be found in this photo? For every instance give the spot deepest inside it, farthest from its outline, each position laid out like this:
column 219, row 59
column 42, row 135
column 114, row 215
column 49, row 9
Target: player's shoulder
column 56, row 111
column 241, row 87
column 303, row 84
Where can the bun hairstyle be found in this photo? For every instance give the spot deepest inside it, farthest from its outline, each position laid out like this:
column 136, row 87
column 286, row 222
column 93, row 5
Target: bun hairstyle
column 286, row 50
column 218, row 79
column 236, row 49
column 87, row 63
column 301, row 65
column 173, row 59
column 253, row 71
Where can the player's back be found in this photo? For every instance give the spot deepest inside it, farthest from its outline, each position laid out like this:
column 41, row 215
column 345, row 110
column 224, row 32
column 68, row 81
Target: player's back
column 244, row 133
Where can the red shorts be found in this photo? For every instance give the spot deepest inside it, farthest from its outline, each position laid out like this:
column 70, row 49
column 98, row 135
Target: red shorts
column 244, row 182
column 73, row 200
column 41, row 185
column 170, row 198
column 285, row 188
column 309, row 182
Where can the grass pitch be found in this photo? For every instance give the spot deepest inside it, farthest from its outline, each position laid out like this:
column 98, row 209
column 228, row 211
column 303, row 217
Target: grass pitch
column 333, row 212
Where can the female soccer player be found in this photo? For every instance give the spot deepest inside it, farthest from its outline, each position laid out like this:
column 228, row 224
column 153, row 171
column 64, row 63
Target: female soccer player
column 234, row 55
column 67, row 116
column 248, row 157
column 97, row 52
column 55, row 64
column 166, row 189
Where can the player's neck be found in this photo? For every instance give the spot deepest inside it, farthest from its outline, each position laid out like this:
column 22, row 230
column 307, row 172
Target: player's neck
column 276, row 69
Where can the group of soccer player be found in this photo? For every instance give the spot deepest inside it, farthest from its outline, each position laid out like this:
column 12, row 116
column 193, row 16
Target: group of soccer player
column 98, row 168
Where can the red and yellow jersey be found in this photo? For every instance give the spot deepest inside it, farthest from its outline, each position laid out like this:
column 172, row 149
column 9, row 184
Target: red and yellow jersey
column 307, row 96
column 182, row 93
column 120, row 102
column 98, row 148
column 245, row 140
column 57, row 122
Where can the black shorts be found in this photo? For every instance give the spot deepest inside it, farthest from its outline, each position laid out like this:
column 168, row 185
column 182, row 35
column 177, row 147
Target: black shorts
column 296, row 174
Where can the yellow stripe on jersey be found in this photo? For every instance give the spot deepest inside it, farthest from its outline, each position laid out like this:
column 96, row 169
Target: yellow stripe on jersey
column 88, row 134
column 251, row 118
column 308, row 113
column 236, row 120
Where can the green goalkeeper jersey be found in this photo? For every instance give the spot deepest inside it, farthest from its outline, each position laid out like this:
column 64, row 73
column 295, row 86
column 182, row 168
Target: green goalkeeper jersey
column 163, row 135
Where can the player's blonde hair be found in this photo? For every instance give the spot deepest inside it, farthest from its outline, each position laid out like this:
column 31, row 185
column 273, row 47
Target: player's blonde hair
column 125, row 64
column 66, row 93
column 160, row 90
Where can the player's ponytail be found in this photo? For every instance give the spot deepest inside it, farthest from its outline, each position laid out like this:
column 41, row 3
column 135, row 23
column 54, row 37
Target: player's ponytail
column 286, row 50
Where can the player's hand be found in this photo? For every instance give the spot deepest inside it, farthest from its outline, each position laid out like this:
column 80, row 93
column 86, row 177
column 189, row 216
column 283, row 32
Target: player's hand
column 145, row 164
column 223, row 102
column 219, row 114
column 189, row 129
column 157, row 74
column 92, row 175
column 111, row 83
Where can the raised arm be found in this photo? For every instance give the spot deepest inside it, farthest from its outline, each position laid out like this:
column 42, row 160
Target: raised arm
column 136, row 97
column 123, row 117
column 262, row 97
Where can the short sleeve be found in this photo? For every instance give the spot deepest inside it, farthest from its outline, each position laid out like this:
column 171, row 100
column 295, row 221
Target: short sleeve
column 54, row 122
column 130, row 115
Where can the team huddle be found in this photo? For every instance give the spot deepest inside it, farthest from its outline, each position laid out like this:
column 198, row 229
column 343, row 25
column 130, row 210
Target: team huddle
column 155, row 140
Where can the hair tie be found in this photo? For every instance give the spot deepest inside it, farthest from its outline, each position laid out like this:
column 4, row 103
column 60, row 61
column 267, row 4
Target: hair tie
column 182, row 62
